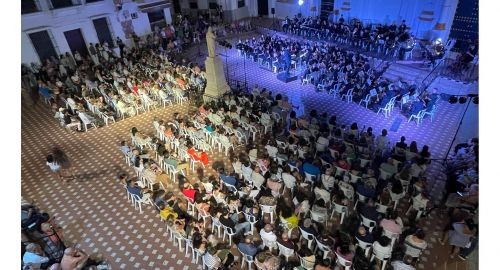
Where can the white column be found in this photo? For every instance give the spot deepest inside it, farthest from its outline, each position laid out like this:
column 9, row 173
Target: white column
column 443, row 25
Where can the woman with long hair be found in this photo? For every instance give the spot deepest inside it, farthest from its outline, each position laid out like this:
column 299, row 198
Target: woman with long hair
column 63, row 160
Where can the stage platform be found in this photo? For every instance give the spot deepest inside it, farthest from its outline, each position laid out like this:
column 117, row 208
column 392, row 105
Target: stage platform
column 286, row 78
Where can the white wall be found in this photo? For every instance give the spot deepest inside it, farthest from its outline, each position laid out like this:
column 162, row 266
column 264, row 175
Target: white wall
column 292, row 8
column 28, row 53
column 58, row 21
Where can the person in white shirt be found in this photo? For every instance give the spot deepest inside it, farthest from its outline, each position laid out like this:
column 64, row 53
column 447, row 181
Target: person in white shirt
column 268, row 236
column 271, row 150
column 256, row 91
column 381, row 141
column 53, row 165
column 34, row 256
column 382, row 247
column 257, row 179
column 323, row 139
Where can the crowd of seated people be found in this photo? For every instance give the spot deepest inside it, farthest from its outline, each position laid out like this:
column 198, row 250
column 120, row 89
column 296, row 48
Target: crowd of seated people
column 370, row 37
column 101, row 89
column 344, row 74
column 293, row 178
column 44, row 246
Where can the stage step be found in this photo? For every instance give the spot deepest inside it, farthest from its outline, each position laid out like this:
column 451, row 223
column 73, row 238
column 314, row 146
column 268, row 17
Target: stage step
column 453, row 87
column 407, row 73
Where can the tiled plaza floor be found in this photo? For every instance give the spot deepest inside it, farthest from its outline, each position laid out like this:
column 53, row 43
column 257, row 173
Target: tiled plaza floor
column 94, row 211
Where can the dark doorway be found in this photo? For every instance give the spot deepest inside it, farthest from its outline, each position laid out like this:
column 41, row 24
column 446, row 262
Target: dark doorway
column 43, row 45
column 177, row 7
column 102, row 29
column 263, row 8
column 76, row 42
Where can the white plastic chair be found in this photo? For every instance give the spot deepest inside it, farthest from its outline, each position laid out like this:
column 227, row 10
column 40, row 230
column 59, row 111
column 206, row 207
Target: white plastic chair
column 386, row 109
column 396, row 197
column 418, row 117
column 139, row 201
column 270, row 244
column 324, row 248
column 380, row 257
column 343, row 262
column 341, row 209
column 307, row 265
column 205, row 264
column 251, row 219
column 246, row 258
column 86, row 122
column 347, row 96
column 216, row 224
column 318, row 217
column 364, row 245
column 360, row 198
column 308, row 236
column 335, row 90
column 368, row 222
column 430, row 112
column 268, row 209
column 310, row 178
column 287, row 252
column 229, row 232
column 384, row 175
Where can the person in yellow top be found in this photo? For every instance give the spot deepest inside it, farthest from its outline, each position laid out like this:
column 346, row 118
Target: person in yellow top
column 288, row 216
column 167, row 212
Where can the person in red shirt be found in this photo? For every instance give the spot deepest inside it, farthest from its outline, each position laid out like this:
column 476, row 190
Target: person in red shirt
column 135, row 88
column 189, row 191
column 202, row 157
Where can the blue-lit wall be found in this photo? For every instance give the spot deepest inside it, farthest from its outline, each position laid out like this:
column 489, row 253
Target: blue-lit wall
column 420, row 15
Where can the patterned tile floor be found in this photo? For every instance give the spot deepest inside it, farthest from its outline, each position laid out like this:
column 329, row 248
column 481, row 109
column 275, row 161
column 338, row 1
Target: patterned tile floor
column 94, row 211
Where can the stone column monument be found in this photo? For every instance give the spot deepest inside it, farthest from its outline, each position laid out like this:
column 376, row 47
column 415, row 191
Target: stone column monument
column 216, row 80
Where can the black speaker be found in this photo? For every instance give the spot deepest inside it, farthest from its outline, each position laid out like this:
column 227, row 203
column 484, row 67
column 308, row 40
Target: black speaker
column 272, row 11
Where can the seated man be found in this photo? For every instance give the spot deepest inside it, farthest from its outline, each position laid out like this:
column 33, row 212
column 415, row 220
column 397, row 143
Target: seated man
column 230, row 222
column 369, row 211
column 228, row 179
column 308, row 227
column 248, row 247
column 363, row 235
column 124, row 147
column 286, row 242
column 266, row 260
column 366, row 189
column 267, row 233
column 312, row 168
column 134, row 189
column 171, row 159
column 71, row 121
column 34, row 256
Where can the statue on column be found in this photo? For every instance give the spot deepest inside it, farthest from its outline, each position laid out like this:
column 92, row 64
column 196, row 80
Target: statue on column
column 210, row 42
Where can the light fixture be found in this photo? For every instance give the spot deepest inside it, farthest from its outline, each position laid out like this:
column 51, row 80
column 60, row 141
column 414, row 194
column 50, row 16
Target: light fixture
column 462, row 100
column 301, row 2
column 475, row 100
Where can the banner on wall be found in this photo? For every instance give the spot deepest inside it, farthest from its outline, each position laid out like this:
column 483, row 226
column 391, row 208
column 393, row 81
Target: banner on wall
column 125, row 16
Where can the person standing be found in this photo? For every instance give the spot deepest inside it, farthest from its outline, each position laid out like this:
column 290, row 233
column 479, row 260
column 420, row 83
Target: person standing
column 120, row 44
column 54, row 166
column 93, row 54
column 63, row 160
